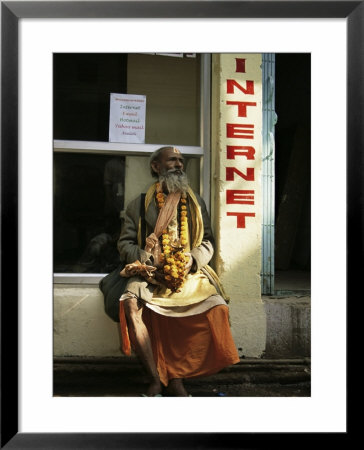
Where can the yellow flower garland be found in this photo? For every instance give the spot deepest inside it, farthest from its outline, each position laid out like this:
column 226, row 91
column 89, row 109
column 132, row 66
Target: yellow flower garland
column 173, row 256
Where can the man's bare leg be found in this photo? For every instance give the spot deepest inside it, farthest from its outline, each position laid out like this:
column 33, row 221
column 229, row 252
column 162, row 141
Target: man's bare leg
column 141, row 343
column 176, row 387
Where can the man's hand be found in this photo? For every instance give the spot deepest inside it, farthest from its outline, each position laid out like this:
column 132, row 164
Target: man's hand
column 159, row 276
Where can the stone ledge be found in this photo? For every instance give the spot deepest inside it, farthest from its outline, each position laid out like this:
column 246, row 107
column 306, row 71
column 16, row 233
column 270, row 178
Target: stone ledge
column 125, row 377
column 249, row 370
column 295, row 299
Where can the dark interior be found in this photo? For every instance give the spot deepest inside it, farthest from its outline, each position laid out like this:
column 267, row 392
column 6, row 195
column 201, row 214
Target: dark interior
column 292, row 172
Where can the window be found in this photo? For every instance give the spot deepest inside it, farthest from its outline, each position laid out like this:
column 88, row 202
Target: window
column 95, row 179
column 88, row 200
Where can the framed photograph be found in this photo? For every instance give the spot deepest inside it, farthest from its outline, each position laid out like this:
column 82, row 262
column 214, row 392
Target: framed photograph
column 30, row 416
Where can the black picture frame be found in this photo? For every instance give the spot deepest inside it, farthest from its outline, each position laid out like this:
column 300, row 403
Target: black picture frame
column 11, row 12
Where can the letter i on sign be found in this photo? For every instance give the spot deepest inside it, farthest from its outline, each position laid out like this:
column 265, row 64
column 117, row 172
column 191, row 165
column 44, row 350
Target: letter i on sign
column 240, row 65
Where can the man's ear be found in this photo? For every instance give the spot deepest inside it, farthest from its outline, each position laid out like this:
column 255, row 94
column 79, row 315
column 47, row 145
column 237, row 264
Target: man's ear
column 155, row 166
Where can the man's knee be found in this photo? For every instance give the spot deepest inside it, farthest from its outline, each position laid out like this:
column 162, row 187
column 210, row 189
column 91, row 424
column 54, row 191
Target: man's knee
column 133, row 309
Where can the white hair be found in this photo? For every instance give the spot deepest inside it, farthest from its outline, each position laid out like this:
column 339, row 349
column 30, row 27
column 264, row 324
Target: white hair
column 175, row 181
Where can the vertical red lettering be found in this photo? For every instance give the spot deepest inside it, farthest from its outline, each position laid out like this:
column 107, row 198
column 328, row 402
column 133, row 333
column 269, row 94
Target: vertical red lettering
column 249, row 87
column 237, row 89
column 240, row 64
column 230, row 171
column 242, row 106
column 232, row 151
column 240, row 218
column 239, row 197
column 239, row 130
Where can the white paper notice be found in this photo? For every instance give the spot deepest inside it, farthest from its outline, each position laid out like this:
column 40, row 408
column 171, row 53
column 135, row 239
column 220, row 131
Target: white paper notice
column 127, row 118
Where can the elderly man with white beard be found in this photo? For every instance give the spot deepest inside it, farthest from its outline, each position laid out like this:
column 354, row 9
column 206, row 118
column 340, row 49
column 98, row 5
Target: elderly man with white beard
column 173, row 312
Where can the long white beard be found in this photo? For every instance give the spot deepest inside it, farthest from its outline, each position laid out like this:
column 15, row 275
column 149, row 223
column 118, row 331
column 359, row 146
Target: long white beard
column 175, row 181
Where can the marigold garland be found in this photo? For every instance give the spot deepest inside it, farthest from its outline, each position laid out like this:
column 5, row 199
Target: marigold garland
column 173, row 256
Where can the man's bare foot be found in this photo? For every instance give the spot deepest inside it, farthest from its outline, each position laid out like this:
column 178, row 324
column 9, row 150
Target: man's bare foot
column 176, row 388
column 154, row 388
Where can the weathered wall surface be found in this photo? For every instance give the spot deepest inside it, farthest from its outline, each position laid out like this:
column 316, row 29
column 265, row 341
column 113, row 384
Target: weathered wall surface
column 288, row 327
column 81, row 327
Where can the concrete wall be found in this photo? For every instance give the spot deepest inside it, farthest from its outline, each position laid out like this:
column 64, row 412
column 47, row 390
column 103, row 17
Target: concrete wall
column 172, row 88
column 288, row 326
column 81, row 327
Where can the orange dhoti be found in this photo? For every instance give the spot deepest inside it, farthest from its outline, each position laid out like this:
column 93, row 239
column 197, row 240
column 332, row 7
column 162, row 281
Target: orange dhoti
column 190, row 346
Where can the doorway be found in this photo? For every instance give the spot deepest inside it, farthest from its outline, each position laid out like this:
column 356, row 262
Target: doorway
column 292, row 255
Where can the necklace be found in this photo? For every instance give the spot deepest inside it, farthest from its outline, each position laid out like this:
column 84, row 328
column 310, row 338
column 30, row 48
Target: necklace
column 174, row 241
